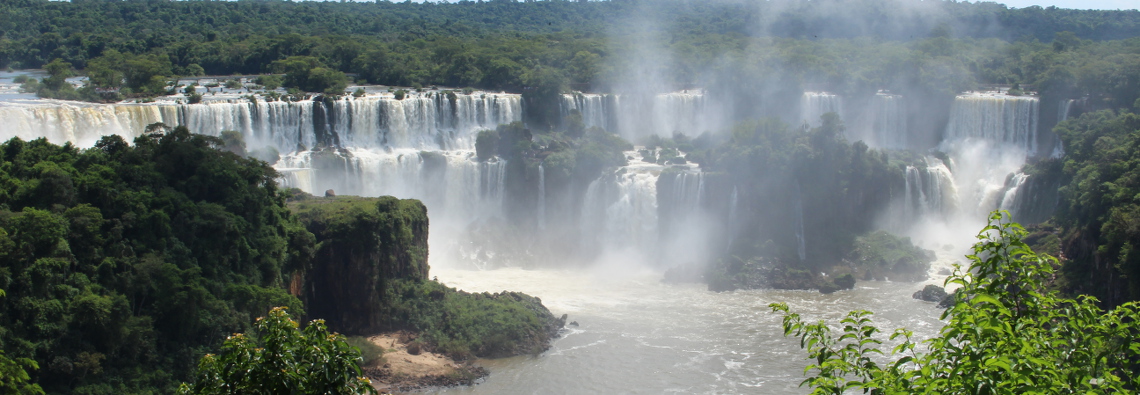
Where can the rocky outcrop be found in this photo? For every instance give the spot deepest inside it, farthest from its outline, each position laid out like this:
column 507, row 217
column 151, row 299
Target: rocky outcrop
column 363, row 245
column 880, row 256
column 369, row 275
column 762, row 273
column 930, row 293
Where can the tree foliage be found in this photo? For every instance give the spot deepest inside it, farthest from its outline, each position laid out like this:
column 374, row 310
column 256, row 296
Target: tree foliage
column 280, row 357
column 1098, row 210
column 125, row 263
column 1007, row 334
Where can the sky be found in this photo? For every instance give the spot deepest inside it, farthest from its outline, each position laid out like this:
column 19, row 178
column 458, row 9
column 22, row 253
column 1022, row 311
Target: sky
column 1079, row 4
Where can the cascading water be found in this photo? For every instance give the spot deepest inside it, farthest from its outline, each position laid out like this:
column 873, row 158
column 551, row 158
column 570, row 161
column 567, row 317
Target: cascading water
column 882, row 124
column 635, row 117
column 1009, row 200
column 431, row 120
column 814, row 104
column 1064, row 108
column 620, row 210
column 988, row 139
column 81, row 124
column 541, row 197
column 801, row 246
column 995, row 118
column 595, row 108
column 930, row 192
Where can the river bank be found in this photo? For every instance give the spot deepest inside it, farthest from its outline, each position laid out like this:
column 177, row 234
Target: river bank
column 406, row 366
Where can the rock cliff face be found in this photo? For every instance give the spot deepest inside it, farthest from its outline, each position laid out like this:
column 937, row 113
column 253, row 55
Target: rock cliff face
column 363, row 245
column 369, row 275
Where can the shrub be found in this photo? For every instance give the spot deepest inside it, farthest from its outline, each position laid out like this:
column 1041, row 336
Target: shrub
column 1007, row 334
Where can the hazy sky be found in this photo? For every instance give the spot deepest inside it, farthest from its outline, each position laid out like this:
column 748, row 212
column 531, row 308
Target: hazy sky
column 1079, row 4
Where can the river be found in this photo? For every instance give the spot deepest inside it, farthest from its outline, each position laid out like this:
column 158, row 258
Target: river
column 637, row 335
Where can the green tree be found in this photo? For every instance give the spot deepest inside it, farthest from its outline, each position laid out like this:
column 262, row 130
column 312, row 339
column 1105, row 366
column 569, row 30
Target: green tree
column 55, row 85
column 282, row 358
column 1007, row 334
column 14, row 378
column 309, row 74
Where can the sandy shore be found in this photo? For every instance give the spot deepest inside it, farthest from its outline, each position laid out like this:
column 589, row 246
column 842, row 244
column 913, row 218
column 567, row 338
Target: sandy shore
column 403, row 371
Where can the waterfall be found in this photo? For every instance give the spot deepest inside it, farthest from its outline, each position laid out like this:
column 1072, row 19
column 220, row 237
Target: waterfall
column 733, row 201
column 1064, row 108
column 492, row 182
column 679, row 112
column 687, row 192
column 989, row 137
column 1010, row 200
column 451, row 183
column 637, row 116
column 430, row 120
column 595, row 108
column 801, row 247
column 81, row 124
column 930, row 192
column 541, row 197
column 995, row 118
column 882, row 124
column 814, row 104
column 620, row 211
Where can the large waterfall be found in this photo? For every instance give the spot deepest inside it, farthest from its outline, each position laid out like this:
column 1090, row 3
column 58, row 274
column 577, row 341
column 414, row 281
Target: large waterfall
column 422, row 147
column 987, row 141
column 620, row 210
column 635, row 117
column 647, row 210
column 431, row 120
column 995, row 118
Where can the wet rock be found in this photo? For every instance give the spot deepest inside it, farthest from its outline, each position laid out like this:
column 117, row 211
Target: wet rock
column 949, row 300
column 573, row 323
column 930, row 293
column 330, row 193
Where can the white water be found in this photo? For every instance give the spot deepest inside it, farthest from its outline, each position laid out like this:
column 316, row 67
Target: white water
column 541, row 197
column 883, row 123
column 988, row 140
column 814, row 104
column 801, row 245
column 620, row 210
column 637, row 117
column 640, row 336
column 995, row 118
column 422, row 120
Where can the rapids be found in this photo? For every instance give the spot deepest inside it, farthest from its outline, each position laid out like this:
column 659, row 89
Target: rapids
column 638, row 335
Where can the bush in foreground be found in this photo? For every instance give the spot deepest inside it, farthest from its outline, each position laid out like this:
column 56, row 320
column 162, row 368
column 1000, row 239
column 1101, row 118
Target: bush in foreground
column 282, row 359
column 1006, row 334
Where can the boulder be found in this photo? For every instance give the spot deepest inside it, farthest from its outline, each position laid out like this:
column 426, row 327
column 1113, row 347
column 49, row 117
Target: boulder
column 930, row 293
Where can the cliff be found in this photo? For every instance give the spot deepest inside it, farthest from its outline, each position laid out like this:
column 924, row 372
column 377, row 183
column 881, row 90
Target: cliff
column 363, row 245
column 369, row 275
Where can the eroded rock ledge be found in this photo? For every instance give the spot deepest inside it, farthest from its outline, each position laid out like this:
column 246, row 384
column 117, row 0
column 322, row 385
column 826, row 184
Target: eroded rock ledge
column 369, row 275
